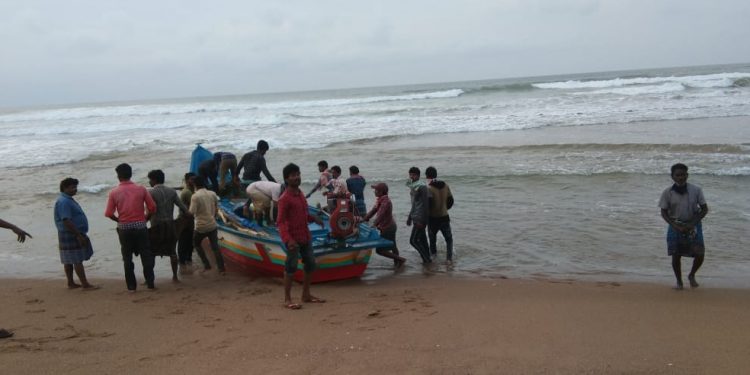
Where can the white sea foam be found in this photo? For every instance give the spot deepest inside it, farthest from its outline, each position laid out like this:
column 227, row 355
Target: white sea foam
column 93, row 189
column 664, row 88
column 698, row 81
column 109, row 111
column 65, row 135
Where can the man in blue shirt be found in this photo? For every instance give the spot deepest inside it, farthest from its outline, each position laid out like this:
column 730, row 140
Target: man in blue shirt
column 72, row 226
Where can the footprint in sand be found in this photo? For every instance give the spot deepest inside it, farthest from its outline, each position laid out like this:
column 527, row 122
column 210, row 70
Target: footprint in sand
column 34, row 301
column 35, row 311
column 606, row 284
column 144, row 299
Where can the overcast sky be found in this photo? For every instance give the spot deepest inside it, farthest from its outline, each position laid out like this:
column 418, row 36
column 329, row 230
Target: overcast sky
column 88, row 51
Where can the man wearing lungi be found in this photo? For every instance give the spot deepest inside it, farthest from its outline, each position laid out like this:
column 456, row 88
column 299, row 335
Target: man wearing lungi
column 162, row 235
column 72, row 226
column 683, row 207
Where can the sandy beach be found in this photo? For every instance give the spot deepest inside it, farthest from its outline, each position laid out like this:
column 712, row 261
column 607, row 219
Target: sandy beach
column 422, row 325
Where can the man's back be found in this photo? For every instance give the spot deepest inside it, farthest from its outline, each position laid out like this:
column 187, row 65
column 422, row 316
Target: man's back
column 253, row 162
column 203, row 208
column 129, row 199
column 440, row 194
column 165, row 199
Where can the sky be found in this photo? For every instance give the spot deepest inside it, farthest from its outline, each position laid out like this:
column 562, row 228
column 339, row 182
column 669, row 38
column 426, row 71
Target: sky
column 58, row 52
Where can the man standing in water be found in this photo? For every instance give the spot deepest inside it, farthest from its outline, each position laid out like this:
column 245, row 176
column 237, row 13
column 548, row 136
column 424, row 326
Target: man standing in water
column 356, row 185
column 162, row 234
column 441, row 200
column 683, row 207
column 323, row 180
column 127, row 205
column 383, row 213
column 292, row 224
column 72, row 226
column 21, row 238
column 419, row 214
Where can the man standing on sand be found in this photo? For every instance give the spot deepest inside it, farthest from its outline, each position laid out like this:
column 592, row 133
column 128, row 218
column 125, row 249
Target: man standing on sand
column 162, row 234
column 127, row 205
column 21, row 238
column 72, row 226
column 254, row 162
column 683, row 207
column 419, row 214
column 185, row 227
column 294, row 233
column 384, row 222
column 441, row 200
column 204, row 208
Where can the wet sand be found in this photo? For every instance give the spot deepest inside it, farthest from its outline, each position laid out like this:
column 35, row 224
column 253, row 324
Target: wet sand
column 414, row 325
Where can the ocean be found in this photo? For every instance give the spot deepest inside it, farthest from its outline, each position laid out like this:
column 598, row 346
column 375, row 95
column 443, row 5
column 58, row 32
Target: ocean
column 554, row 177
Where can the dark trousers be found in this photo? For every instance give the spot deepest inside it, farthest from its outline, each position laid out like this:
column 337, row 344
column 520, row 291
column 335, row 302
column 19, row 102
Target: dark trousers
column 442, row 225
column 135, row 242
column 418, row 240
column 185, row 244
column 213, row 238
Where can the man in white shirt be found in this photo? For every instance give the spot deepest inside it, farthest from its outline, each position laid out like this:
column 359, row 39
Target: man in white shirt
column 264, row 196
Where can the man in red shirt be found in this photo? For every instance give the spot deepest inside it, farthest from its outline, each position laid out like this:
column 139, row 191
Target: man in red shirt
column 385, row 224
column 292, row 224
column 130, row 206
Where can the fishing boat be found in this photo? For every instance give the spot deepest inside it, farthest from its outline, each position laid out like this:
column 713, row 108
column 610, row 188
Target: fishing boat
column 259, row 249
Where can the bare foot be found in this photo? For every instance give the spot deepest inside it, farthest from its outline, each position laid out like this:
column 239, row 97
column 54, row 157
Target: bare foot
column 292, row 306
column 678, row 286
column 88, row 287
column 693, row 283
column 73, row 286
column 175, row 279
column 398, row 263
column 5, row 333
column 313, row 299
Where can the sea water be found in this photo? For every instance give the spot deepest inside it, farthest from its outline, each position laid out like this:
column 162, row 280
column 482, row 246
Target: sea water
column 553, row 176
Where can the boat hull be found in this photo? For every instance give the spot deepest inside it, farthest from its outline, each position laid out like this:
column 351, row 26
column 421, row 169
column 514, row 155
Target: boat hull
column 266, row 256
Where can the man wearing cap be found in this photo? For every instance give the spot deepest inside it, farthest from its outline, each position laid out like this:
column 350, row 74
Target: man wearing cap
column 383, row 212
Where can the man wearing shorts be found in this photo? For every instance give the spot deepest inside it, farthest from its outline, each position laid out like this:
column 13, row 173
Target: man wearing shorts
column 292, row 223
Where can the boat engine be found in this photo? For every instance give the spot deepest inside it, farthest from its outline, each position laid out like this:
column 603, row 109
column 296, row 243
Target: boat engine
column 342, row 219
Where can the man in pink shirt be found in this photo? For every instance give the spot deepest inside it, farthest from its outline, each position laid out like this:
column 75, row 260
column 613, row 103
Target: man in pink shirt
column 130, row 206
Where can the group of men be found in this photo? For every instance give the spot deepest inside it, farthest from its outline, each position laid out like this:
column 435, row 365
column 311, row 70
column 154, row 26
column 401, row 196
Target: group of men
column 131, row 206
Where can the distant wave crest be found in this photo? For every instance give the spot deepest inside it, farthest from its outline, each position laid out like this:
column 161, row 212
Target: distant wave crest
column 695, row 81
